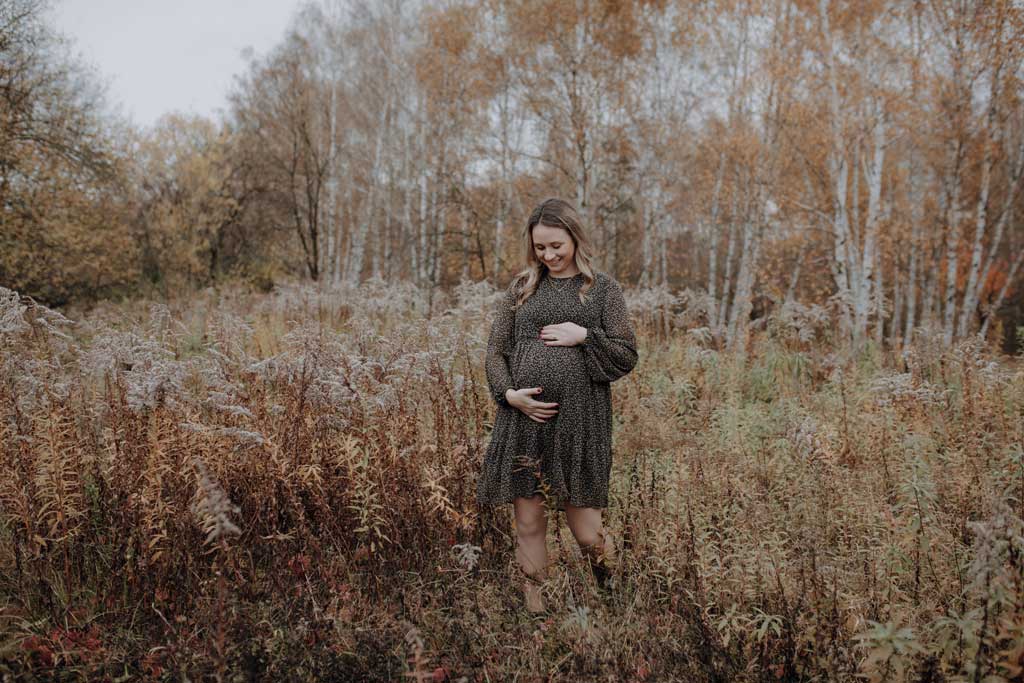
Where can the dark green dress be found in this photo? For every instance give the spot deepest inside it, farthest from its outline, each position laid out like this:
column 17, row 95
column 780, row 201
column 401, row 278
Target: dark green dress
column 571, row 454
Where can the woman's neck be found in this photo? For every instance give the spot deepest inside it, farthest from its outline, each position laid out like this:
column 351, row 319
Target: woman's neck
column 562, row 277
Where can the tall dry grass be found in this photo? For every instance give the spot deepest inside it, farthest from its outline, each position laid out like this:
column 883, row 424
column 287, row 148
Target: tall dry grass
column 281, row 487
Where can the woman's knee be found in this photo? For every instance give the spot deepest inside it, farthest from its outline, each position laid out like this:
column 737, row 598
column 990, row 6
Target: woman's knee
column 531, row 519
column 585, row 524
column 529, row 527
column 589, row 537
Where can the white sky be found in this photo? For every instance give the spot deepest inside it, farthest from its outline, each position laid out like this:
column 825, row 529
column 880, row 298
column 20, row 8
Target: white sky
column 170, row 55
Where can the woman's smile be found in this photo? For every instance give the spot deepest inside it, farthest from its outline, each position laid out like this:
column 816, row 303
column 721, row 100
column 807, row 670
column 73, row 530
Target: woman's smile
column 554, row 248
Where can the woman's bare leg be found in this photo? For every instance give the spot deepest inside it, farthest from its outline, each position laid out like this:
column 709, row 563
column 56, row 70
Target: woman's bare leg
column 586, row 526
column 531, row 546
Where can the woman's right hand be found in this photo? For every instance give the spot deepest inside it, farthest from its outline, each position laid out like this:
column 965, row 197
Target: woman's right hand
column 538, row 411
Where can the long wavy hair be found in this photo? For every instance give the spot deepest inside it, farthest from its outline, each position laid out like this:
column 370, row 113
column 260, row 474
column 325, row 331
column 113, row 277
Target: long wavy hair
column 554, row 213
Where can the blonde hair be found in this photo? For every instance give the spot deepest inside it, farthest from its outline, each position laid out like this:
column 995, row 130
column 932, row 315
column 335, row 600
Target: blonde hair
column 554, row 213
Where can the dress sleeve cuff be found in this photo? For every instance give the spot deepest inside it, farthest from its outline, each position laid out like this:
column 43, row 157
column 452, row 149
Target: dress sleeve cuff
column 500, row 399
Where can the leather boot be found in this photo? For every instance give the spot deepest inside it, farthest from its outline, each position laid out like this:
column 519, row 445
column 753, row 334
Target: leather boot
column 602, row 574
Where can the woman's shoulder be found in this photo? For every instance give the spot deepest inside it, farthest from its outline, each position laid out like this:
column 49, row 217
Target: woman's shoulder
column 516, row 284
column 604, row 280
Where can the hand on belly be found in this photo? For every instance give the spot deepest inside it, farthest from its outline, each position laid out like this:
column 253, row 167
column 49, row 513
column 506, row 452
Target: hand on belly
column 524, row 400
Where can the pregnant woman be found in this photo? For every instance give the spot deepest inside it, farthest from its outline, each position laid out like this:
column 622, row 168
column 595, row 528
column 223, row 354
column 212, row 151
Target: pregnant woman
column 560, row 337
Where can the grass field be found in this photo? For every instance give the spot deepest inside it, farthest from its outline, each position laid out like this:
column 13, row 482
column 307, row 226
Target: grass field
column 281, row 487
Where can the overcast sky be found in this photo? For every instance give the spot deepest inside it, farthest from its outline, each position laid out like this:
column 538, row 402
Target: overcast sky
column 164, row 55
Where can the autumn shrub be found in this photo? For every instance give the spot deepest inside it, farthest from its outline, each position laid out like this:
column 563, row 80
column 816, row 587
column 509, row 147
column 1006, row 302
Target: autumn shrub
column 282, row 486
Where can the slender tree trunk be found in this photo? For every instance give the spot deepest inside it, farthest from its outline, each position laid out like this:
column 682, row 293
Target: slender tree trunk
column 437, row 236
column 646, row 244
column 839, row 173
column 663, row 253
column 330, row 222
column 896, row 327
column 981, row 212
column 879, row 287
column 794, row 278
column 952, row 242
column 368, row 214
column 426, row 204
column 866, row 280
column 713, row 238
column 929, row 307
column 408, row 226
column 338, row 226
column 723, row 307
column 464, row 222
column 915, row 247
column 504, row 190
column 742, row 303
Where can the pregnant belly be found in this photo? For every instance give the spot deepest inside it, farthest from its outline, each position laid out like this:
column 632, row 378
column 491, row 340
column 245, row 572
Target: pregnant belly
column 559, row 369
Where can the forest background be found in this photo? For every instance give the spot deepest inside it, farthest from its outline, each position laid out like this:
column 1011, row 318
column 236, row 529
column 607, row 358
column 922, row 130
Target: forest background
column 864, row 157
column 247, row 444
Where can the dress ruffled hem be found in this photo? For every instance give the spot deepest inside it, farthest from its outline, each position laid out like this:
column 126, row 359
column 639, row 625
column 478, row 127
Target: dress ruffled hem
column 569, row 468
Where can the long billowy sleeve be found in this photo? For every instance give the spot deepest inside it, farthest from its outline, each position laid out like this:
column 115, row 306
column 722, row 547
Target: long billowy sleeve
column 610, row 350
column 499, row 347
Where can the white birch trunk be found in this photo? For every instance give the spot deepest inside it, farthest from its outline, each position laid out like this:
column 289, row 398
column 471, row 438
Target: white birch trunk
column 723, row 307
column 408, row 226
column 384, row 269
column 357, row 255
column 646, row 243
column 839, row 173
column 424, row 224
column 929, row 314
column 879, row 287
column 499, row 232
column 337, row 266
column 432, row 227
column 952, row 242
column 981, row 213
column 464, row 220
column 916, row 211
column 329, row 231
column 896, row 328
column 865, row 280
column 742, row 303
column 663, row 233
column 713, row 237
column 504, row 191
column 713, row 273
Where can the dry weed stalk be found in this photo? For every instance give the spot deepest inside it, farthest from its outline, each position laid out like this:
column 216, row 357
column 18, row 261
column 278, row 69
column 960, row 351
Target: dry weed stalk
column 283, row 467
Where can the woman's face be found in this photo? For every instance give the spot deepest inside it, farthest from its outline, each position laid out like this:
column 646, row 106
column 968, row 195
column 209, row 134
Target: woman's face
column 554, row 248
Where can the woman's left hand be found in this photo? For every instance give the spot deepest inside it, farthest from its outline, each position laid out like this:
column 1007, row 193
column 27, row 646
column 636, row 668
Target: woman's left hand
column 563, row 334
